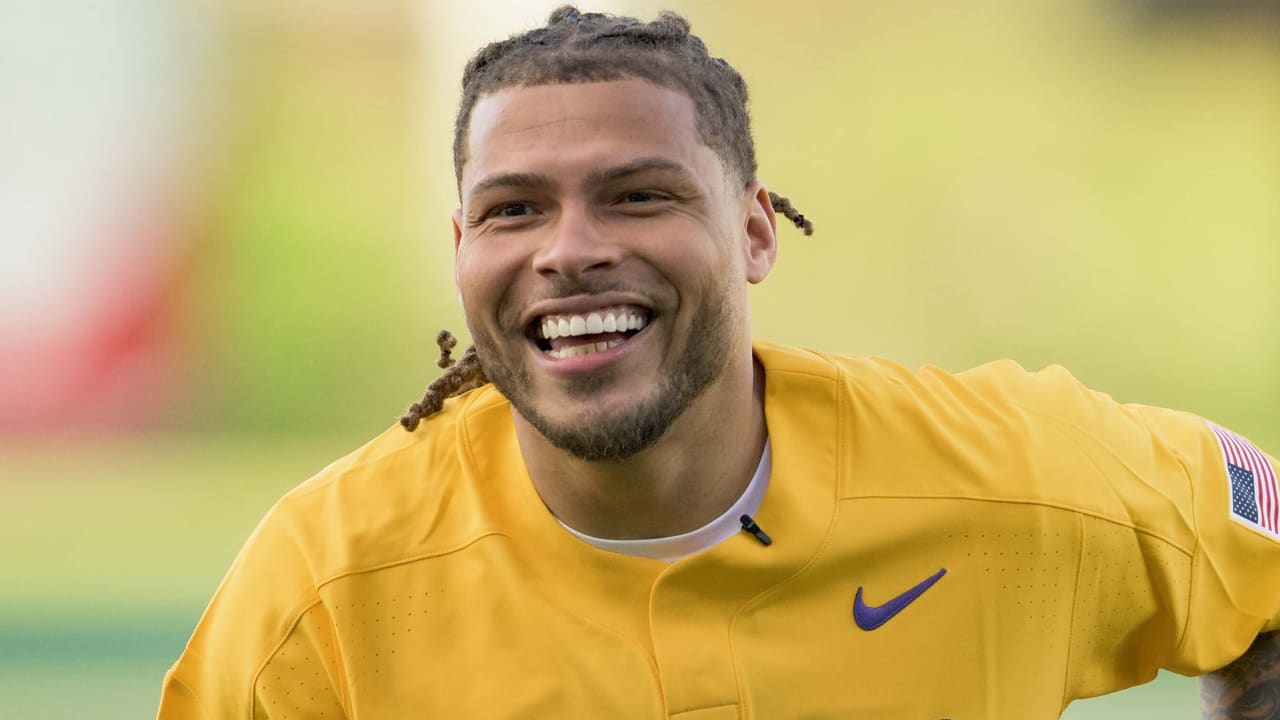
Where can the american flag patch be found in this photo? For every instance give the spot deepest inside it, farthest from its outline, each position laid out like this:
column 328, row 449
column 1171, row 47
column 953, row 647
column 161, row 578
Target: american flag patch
column 1255, row 497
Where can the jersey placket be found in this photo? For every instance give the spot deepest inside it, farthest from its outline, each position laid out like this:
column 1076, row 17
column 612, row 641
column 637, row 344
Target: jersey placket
column 695, row 603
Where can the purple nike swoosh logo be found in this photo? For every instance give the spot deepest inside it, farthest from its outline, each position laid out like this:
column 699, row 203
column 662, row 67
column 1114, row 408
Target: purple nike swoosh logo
column 869, row 618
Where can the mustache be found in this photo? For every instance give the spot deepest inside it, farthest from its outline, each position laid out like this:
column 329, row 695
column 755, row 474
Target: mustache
column 561, row 287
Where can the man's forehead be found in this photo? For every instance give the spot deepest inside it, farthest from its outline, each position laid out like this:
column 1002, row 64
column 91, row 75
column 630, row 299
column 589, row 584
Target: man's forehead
column 608, row 98
column 561, row 119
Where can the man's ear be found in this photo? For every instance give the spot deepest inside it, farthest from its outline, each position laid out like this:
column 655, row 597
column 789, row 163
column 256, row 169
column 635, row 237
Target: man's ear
column 457, row 242
column 762, row 233
column 457, row 230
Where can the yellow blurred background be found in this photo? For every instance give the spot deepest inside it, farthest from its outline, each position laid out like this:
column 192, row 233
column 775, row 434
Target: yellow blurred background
column 225, row 251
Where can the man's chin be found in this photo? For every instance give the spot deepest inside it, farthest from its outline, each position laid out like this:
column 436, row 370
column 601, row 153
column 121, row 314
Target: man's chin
column 600, row 435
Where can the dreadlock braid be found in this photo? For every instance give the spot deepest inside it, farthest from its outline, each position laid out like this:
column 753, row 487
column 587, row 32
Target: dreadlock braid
column 460, row 376
column 447, row 342
column 783, row 205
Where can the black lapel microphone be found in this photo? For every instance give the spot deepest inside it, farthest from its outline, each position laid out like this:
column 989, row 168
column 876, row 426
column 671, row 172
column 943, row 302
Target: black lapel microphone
column 749, row 526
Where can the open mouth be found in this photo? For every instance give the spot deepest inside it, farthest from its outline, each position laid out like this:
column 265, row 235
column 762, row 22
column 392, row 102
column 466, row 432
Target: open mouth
column 575, row 334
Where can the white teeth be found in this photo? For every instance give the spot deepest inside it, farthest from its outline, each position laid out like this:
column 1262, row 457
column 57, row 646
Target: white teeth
column 603, row 321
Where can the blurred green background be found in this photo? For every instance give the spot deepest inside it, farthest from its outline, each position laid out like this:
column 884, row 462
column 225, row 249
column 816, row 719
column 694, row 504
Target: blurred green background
column 226, row 253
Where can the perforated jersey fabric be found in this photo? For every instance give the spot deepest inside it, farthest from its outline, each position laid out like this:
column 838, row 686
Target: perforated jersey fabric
column 1015, row 539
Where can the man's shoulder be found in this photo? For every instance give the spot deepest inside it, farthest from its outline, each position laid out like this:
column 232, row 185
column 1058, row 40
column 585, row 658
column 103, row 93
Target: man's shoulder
column 996, row 432
column 399, row 495
column 996, row 383
column 402, row 496
column 387, row 461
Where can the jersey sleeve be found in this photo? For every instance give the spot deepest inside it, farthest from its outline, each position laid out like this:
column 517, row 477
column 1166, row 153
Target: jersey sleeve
column 265, row 646
column 1234, row 583
column 1178, row 562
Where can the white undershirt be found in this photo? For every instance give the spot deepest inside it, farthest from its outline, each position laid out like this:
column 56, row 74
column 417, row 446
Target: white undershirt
column 709, row 535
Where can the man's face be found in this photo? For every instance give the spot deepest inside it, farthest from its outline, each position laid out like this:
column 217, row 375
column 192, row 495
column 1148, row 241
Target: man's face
column 601, row 257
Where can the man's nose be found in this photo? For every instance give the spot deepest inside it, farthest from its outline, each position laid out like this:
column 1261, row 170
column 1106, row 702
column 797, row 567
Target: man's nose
column 576, row 245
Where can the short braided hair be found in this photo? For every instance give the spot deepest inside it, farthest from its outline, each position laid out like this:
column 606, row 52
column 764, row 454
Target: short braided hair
column 577, row 47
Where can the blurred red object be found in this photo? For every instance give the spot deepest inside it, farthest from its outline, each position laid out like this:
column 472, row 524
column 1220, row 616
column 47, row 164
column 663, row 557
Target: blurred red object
column 103, row 351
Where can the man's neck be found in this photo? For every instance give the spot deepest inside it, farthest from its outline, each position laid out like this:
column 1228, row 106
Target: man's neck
column 691, row 475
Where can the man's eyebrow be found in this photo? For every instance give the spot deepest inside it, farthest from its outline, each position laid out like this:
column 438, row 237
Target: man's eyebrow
column 529, row 181
column 534, row 181
column 639, row 165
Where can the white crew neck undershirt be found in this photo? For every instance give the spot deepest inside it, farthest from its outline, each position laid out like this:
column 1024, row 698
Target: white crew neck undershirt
column 713, row 533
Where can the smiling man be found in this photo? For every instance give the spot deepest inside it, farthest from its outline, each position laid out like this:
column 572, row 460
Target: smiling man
column 617, row 505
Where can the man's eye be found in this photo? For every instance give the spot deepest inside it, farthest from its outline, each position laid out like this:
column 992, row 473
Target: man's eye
column 511, row 210
column 642, row 196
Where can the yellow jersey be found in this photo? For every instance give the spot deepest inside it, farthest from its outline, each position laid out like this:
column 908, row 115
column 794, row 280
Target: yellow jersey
column 976, row 546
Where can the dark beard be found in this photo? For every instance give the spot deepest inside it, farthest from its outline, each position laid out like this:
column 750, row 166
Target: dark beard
column 600, row 436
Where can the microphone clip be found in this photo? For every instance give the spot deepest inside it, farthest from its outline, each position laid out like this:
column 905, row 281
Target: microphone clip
column 750, row 527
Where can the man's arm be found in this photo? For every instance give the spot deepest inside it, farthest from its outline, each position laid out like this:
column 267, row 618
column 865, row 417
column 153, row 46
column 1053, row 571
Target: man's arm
column 1247, row 688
